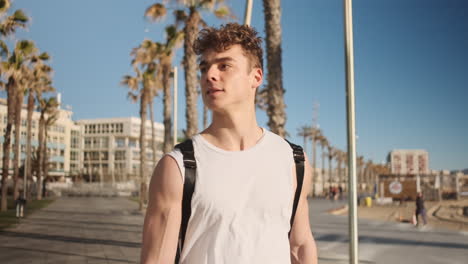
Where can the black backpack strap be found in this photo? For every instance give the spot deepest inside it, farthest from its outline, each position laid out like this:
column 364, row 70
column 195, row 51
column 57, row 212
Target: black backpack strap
column 299, row 159
column 190, row 166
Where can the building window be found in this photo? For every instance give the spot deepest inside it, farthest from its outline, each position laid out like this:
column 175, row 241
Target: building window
column 132, row 143
column 119, row 155
column 104, row 142
column 104, row 155
column 120, row 142
column 87, row 142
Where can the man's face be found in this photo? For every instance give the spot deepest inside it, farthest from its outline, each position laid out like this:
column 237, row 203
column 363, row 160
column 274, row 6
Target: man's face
column 227, row 79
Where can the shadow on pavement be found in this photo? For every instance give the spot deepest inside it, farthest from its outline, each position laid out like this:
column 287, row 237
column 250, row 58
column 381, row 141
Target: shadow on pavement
column 50, row 220
column 71, row 239
column 75, row 227
column 67, row 254
column 107, row 213
column 381, row 240
column 324, row 260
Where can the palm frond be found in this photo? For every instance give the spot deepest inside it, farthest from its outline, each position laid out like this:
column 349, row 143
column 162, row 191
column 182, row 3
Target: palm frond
column 156, row 12
column 131, row 82
column 25, row 47
column 223, row 12
column 133, row 97
column 3, row 49
column 180, row 17
column 4, row 6
column 44, row 56
column 20, row 16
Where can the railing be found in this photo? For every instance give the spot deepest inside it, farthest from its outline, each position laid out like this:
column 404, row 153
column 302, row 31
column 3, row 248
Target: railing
column 93, row 189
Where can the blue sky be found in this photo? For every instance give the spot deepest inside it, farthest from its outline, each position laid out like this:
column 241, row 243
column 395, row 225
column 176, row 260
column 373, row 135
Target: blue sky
column 411, row 67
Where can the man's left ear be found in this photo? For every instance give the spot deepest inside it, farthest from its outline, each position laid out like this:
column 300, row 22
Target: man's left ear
column 258, row 77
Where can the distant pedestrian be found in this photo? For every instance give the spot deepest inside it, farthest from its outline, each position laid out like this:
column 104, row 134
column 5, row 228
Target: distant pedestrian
column 340, row 192
column 420, row 209
column 20, row 203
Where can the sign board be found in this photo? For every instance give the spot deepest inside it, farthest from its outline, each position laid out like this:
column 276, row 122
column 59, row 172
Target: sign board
column 398, row 189
column 395, row 187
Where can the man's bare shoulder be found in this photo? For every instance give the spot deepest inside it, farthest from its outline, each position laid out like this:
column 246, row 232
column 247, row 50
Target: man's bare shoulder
column 166, row 181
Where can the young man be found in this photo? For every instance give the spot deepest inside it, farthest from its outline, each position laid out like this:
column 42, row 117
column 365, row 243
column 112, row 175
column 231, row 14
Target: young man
column 245, row 176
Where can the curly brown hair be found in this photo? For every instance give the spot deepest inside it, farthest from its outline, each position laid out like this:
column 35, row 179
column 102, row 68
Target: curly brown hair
column 231, row 34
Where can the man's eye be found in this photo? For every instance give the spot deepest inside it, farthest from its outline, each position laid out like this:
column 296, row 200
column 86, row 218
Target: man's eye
column 224, row 66
column 202, row 69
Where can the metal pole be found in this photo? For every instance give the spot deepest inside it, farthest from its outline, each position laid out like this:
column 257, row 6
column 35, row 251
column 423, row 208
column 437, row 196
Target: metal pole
column 351, row 129
column 248, row 12
column 174, row 136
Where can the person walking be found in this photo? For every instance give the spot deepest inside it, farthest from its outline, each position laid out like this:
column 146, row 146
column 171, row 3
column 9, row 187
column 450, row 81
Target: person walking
column 242, row 202
column 420, row 209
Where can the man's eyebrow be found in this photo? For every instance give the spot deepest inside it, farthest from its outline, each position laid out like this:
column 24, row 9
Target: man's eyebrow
column 217, row 60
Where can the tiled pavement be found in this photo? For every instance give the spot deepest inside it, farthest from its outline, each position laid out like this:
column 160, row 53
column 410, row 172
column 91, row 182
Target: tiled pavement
column 76, row 230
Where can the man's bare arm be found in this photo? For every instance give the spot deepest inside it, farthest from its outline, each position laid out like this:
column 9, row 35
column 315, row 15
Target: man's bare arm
column 163, row 215
column 302, row 243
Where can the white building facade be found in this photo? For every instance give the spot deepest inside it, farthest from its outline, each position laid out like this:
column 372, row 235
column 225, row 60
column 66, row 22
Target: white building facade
column 106, row 147
column 409, row 161
column 111, row 149
column 59, row 137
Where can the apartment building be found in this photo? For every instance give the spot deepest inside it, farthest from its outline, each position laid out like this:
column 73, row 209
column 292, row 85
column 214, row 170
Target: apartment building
column 111, row 149
column 59, row 136
column 409, row 161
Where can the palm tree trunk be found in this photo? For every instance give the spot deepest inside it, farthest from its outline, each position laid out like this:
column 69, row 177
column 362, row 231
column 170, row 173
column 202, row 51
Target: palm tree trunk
column 40, row 156
column 45, row 160
column 28, row 164
column 314, row 156
column 275, row 101
column 304, row 138
column 190, row 66
column 17, row 144
column 153, row 134
column 143, row 104
column 167, row 102
column 7, row 140
column 329, row 168
column 323, row 167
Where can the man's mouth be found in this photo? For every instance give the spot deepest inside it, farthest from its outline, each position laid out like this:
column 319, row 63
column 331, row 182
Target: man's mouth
column 214, row 91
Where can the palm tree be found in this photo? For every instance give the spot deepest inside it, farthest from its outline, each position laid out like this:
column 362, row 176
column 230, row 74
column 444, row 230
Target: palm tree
column 275, row 91
column 48, row 112
column 331, row 154
column 304, row 132
column 23, row 61
column 174, row 38
column 323, row 144
column 338, row 154
column 8, row 26
column 145, row 68
column 314, row 136
column 39, row 81
column 146, row 55
column 190, row 15
column 360, row 167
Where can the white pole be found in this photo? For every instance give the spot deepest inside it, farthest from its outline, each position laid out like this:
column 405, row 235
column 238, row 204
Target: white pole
column 248, row 12
column 174, row 136
column 351, row 129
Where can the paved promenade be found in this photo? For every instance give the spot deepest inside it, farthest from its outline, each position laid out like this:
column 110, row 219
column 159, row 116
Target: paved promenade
column 108, row 230
column 76, row 230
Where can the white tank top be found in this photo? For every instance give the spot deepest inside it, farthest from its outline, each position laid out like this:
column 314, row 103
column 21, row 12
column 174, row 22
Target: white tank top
column 242, row 203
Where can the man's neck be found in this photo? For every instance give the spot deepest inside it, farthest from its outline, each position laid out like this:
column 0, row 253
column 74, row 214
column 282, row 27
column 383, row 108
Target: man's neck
column 233, row 131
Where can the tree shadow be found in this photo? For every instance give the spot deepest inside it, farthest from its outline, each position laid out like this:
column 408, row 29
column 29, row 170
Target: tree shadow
column 72, row 239
column 66, row 254
column 394, row 241
column 49, row 220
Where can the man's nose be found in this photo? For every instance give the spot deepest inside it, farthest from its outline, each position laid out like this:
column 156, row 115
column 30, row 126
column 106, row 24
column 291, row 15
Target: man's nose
column 212, row 73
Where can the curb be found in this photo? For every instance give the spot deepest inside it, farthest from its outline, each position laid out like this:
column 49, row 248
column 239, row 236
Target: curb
column 338, row 211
